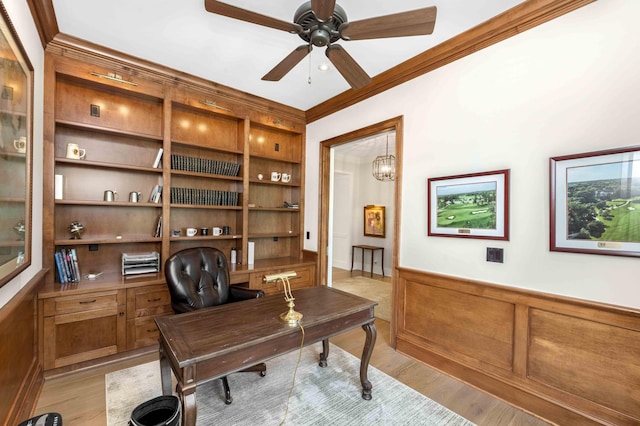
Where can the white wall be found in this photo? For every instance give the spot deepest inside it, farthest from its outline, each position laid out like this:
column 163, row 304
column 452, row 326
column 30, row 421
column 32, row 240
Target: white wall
column 568, row 86
column 20, row 15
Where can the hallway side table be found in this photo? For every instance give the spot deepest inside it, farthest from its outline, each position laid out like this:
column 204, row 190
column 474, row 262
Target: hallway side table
column 372, row 249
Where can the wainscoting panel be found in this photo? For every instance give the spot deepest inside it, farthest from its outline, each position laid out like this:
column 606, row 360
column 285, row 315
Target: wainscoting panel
column 449, row 321
column 598, row 362
column 567, row 360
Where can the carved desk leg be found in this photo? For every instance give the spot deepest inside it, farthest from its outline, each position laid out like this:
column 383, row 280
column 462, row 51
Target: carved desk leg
column 324, row 354
column 165, row 372
column 187, row 394
column 370, row 341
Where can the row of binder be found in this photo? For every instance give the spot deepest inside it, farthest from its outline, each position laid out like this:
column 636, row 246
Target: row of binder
column 204, row 165
column 203, row 197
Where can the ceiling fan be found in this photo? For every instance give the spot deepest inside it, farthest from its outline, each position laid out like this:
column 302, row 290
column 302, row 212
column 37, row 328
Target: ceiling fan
column 322, row 23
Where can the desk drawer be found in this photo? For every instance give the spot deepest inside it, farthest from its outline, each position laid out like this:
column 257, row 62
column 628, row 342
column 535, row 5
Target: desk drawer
column 305, row 276
column 148, row 301
column 81, row 303
column 142, row 332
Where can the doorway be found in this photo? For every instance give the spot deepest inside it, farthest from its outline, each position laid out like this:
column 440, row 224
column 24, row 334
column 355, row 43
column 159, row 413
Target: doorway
column 326, row 226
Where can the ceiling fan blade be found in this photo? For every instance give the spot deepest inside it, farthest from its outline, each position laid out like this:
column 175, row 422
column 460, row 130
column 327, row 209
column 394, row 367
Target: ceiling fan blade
column 323, row 8
column 227, row 10
column 411, row 23
column 347, row 66
column 288, row 63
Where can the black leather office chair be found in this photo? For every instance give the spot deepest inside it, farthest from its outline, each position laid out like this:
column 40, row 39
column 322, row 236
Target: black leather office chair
column 199, row 278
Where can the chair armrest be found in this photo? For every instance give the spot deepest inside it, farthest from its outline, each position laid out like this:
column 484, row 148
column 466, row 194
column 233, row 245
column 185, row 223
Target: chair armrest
column 237, row 293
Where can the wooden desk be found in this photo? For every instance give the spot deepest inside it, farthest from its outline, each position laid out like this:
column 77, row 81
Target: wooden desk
column 364, row 247
column 253, row 333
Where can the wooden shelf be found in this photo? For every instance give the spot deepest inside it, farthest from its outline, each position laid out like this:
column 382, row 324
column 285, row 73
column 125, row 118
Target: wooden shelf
column 274, row 209
column 106, row 203
column 13, row 200
column 109, row 130
column 207, row 238
column 214, row 149
column 205, row 175
column 12, row 243
column 98, row 164
column 13, row 155
column 106, row 281
column 108, row 239
column 277, row 159
column 270, row 182
column 274, row 234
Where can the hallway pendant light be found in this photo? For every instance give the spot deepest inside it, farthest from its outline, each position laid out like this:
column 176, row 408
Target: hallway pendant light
column 384, row 166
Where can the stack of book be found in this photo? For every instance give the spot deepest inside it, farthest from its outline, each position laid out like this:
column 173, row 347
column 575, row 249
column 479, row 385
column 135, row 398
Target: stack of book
column 158, row 231
column 156, row 194
column 67, row 265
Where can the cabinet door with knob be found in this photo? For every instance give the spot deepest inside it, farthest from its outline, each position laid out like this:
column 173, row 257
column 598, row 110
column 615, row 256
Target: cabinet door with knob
column 82, row 327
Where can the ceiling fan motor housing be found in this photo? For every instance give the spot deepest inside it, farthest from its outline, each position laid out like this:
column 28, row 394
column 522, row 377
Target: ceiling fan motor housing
column 317, row 32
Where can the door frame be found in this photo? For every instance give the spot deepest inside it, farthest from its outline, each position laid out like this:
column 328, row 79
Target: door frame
column 394, row 124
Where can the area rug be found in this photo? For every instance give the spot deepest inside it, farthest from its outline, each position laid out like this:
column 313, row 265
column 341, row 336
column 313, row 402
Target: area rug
column 321, row 396
column 370, row 289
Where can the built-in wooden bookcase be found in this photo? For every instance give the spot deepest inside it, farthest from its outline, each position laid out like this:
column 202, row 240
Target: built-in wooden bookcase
column 207, row 158
column 212, row 150
column 275, row 206
column 121, row 133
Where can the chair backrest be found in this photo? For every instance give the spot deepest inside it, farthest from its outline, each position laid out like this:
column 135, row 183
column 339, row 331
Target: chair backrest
column 197, row 278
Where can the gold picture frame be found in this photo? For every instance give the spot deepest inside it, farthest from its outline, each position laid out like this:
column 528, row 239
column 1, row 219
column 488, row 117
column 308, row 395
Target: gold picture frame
column 374, row 221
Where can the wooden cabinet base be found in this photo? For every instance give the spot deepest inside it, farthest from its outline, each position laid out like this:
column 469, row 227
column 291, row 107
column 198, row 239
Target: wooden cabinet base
column 82, row 327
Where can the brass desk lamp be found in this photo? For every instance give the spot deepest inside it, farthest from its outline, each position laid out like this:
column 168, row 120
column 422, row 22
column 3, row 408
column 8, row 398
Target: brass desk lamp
column 291, row 316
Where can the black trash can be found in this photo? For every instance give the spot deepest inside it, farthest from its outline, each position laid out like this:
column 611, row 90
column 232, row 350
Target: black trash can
column 48, row 419
column 160, row 411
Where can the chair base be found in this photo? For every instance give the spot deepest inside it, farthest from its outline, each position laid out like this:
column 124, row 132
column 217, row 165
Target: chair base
column 260, row 368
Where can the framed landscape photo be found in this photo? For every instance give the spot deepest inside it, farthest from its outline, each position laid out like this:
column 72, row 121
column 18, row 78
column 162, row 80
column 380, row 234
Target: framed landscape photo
column 595, row 202
column 474, row 205
column 374, row 221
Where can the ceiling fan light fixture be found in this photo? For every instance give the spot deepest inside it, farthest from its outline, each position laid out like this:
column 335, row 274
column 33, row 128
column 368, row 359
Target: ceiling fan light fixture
column 323, row 67
column 328, row 24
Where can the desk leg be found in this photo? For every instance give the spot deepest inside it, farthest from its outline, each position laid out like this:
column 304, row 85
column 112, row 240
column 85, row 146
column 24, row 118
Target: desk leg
column 353, row 249
column 372, row 252
column 165, row 372
column 324, row 355
column 382, row 261
column 372, row 333
column 187, row 394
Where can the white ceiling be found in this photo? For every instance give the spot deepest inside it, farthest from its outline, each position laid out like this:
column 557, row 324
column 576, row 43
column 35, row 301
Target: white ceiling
column 181, row 34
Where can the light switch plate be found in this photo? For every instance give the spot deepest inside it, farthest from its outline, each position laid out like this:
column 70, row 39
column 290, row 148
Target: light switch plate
column 495, row 255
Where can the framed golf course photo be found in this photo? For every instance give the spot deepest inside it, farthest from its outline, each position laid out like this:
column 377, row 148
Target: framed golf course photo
column 595, row 202
column 474, row 205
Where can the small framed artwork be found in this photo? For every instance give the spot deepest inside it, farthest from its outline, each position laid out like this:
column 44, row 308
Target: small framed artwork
column 374, row 221
column 473, row 205
column 595, row 202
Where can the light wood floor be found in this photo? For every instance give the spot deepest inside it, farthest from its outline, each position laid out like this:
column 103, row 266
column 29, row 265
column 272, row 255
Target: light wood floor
column 80, row 396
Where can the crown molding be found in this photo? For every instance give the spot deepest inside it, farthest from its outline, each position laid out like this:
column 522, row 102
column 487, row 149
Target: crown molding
column 514, row 21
